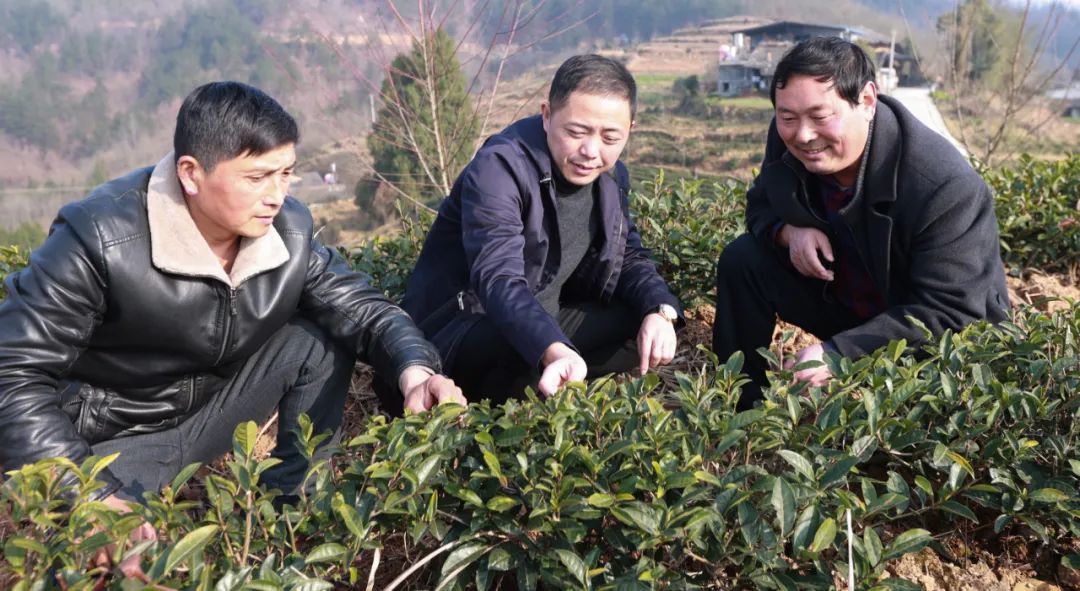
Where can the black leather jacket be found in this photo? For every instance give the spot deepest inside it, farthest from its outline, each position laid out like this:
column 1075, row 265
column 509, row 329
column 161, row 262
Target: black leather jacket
column 96, row 342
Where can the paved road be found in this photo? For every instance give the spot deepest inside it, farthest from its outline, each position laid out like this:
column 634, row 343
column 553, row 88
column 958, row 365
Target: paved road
column 917, row 100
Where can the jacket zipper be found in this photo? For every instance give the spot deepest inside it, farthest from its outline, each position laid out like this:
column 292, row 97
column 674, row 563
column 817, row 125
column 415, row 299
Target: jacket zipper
column 228, row 325
column 611, row 270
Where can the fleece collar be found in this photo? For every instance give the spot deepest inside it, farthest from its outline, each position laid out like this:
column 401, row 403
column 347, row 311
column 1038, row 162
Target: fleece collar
column 177, row 246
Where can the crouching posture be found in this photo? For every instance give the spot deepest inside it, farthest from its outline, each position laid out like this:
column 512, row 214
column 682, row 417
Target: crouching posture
column 860, row 218
column 175, row 302
column 533, row 272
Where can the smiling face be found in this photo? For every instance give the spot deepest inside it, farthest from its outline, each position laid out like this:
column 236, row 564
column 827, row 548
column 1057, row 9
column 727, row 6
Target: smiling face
column 587, row 134
column 821, row 129
column 240, row 196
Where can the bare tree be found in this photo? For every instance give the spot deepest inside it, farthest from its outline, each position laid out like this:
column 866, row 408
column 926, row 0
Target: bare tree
column 437, row 133
column 990, row 100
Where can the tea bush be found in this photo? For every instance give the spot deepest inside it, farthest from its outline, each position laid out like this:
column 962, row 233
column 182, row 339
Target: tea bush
column 626, row 486
column 686, row 225
column 633, row 486
column 1038, row 210
column 12, row 258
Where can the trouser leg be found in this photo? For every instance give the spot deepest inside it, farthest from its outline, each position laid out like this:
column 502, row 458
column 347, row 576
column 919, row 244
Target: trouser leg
column 753, row 287
column 606, row 335
column 485, row 366
column 298, row 370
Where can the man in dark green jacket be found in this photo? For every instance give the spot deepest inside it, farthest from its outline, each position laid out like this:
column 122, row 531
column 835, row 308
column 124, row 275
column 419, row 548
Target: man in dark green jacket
column 860, row 218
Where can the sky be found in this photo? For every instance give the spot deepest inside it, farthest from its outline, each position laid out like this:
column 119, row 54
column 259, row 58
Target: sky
column 1074, row 4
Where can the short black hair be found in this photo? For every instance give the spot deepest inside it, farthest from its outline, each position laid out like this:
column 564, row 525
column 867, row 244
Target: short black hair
column 222, row 120
column 825, row 59
column 592, row 74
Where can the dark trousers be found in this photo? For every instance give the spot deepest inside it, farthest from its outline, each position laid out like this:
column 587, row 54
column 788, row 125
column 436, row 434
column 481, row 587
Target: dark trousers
column 299, row 370
column 753, row 288
column 485, row 366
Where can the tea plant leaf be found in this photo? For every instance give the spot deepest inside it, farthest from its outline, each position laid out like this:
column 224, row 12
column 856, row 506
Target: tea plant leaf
column 783, row 502
column 191, row 543
column 1048, row 495
column 797, row 461
column 838, row 472
column 574, row 565
column 244, row 437
column 461, row 557
column 502, row 504
column 639, row 515
column 824, row 537
column 329, row 552
column 872, row 546
column 957, row 509
column 602, row 500
column 910, row 541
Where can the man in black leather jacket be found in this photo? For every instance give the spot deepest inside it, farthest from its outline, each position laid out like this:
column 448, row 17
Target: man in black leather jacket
column 180, row 300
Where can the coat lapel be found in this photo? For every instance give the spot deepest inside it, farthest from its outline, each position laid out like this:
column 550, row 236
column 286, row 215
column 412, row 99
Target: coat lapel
column 879, row 193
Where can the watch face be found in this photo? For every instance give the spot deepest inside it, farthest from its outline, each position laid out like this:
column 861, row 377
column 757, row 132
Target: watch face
column 668, row 312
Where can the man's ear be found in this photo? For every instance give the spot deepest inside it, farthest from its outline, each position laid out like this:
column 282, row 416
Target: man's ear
column 189, row 173
column 868, row 98
column 545, row 113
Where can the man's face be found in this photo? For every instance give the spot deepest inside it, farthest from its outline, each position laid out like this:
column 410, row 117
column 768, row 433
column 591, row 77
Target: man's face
column 239, row 197
column 587, row 134
column 824, row 131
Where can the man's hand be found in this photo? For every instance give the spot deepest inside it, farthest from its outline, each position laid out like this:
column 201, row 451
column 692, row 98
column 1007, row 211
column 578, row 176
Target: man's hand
column 816, row 376
column 424, row 389
column 803, row 245
column 656, row 342
column 130, row 566
column 561, row 365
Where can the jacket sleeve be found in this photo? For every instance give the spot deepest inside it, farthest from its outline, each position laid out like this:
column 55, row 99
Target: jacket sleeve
column 640, row 284
column 494, row 240
column 344, row 303
column 953, row 264
column 52, row 308
column 761, row 220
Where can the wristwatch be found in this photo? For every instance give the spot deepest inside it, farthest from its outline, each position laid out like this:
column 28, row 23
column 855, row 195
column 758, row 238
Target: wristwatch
column 667, row 312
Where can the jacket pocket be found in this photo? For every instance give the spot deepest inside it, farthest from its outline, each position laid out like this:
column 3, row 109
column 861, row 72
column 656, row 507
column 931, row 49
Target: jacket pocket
column 448, row 324
column 91, row 423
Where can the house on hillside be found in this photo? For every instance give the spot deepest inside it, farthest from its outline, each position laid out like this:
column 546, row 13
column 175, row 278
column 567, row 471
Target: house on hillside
column 753, row 72
column 794, row 32
column 759, row 48
column 1068, row 98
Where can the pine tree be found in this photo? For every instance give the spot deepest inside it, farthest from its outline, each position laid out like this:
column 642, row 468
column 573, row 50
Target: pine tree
column 425, row 131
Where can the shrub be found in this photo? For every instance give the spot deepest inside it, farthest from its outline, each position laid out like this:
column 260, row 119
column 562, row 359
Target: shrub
column 1038, row 210
column 12, row 258
column 621, row 485
column 389, row 261
column 686, row 225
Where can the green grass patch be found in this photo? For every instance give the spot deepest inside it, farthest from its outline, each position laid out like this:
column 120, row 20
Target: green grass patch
column 651, row 81
column 750, row 103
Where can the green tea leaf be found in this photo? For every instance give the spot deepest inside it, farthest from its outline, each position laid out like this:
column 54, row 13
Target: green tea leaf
column 1048, row 495
column 329, row 552
column 824, row 537
column 783, row 502
column 910, row 541
column 191, row 543
column 798, row 462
